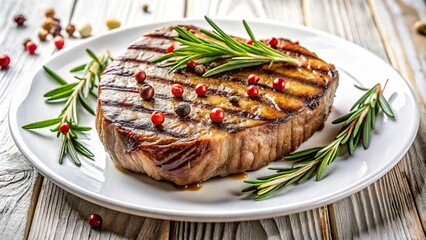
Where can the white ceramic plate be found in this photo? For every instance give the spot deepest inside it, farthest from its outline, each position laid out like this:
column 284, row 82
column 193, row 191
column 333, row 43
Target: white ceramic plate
column 220, row 199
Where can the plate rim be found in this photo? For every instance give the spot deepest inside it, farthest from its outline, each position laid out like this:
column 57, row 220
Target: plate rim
column 176, row 214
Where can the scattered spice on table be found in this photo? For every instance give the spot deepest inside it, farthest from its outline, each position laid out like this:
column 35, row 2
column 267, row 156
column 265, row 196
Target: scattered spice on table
column 19, row 19
column 70, row 29
column 85, row 30
column 4, row 61
column 420, row 27
column 112, row 23
column 95, row 221
column 42, row 35
column 145, row 8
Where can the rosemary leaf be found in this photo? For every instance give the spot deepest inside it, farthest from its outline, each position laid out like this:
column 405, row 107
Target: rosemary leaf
column 232, row 65
column 361, row 88
column 384, row 105
column 366, row 131
column 342, row 118
column 63, row 150
column 63, row 94
column 299, row 154
column 42, row 124
column 92, row 55
column 55, row 76
column 363, row 98
column 79, row 147
column 78, row 68
column 60, row 89
column 81, row 128
column 72, row 152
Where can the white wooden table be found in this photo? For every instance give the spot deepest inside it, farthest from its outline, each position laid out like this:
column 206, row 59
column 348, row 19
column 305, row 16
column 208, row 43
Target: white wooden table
column 394, row 207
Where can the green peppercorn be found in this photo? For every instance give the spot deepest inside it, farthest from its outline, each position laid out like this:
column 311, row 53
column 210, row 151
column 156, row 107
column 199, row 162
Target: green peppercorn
column 112, row 23
column 182, row 109
column 420, row 27
column 234, row 99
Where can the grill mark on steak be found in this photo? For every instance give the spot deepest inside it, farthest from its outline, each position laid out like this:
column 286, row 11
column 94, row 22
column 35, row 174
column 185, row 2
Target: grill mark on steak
column 161, row 96
column 264, row 70
column 233, row 86
column 216, row 92
column 264, row 86
column 177, row 157
column 148, row 126
column 147, row 47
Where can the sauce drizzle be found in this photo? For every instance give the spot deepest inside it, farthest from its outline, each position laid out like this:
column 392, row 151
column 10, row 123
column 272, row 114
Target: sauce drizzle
column 239, row 176
column 189, row 187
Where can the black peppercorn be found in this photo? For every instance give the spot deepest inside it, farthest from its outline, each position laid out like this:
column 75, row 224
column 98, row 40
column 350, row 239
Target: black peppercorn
column 234, row 99
column 213, row 65
column 182, row 109
column 200, row 69
column 147, row 92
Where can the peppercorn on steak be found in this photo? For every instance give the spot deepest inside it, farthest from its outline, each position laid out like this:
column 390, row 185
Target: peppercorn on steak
column 254, row 131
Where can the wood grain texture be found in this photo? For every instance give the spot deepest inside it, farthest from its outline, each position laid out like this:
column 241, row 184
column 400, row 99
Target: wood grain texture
column 407, row 52
column 385, row 210
column 305, row 225
column 61, row 215
column 406, row 48
column 17, row 176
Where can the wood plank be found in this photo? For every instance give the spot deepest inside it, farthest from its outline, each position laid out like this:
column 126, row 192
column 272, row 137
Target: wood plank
column 395, row 20
column 60, row 215
column 384, row 210
column 312, row 224
column 406, row 48
column 17, row 177
column 305, row 225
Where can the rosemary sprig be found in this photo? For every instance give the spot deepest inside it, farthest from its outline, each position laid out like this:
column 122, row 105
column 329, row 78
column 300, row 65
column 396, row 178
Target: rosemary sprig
column 237, row 54
column 74, row 95
column 356, row 127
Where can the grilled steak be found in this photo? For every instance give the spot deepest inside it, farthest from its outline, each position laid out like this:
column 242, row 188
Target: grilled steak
column 193, row 149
